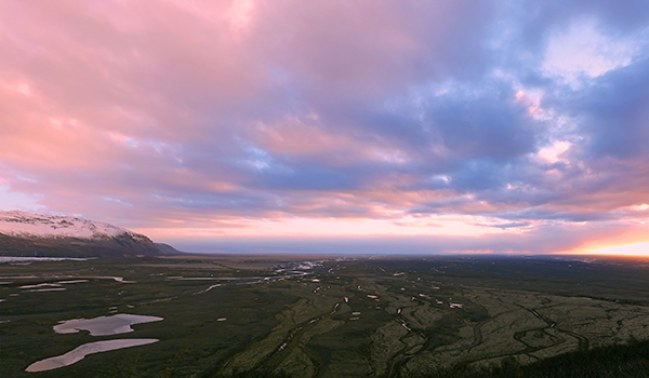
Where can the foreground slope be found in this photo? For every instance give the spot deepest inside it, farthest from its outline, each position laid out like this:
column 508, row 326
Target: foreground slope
column 30, row 234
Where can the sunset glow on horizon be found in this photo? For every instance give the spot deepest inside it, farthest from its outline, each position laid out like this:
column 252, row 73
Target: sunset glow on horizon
column 398, row 127
column 626, row 249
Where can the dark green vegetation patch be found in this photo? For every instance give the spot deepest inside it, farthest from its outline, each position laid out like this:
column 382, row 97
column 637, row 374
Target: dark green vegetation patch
column 270, row 317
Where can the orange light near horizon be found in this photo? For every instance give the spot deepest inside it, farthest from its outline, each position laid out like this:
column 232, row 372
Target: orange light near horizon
column 640, row 249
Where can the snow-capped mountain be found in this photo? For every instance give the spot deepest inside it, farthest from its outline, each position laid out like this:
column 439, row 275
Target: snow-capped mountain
column 23, row 224
column 25, row 233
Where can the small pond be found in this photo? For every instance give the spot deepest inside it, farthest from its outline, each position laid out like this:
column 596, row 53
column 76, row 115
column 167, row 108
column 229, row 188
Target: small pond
column 104, row 325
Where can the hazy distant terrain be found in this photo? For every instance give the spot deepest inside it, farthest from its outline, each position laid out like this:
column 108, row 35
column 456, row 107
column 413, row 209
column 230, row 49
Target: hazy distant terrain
column 328, row 317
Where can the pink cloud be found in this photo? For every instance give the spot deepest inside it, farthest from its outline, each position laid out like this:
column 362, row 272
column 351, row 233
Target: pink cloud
column 218, row 115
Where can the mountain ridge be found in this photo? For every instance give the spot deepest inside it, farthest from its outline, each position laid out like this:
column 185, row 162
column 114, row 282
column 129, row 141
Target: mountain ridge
column 31, row 234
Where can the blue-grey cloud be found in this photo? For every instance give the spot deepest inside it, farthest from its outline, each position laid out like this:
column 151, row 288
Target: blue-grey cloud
column 328, row 110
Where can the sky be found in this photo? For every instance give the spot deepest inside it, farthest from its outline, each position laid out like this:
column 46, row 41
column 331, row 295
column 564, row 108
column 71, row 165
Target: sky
column 459, row 126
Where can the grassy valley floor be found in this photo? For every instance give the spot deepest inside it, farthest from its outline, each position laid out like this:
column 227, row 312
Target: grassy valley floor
column 333, row 317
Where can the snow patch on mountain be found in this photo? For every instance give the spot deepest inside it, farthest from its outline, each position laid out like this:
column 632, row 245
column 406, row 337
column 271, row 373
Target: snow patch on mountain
column 25, row 224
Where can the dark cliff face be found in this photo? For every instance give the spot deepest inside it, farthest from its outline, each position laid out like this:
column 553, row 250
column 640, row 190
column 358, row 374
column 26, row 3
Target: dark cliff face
column 123, row 245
